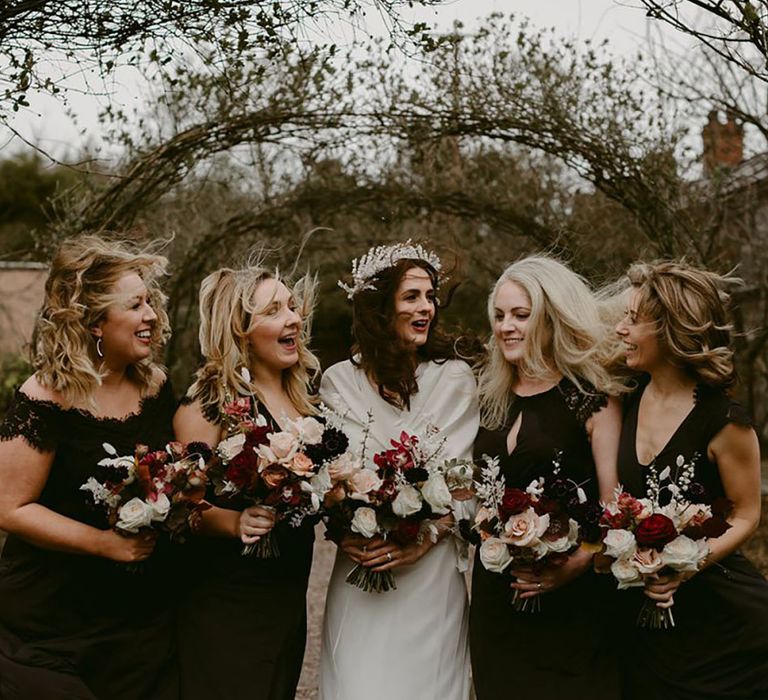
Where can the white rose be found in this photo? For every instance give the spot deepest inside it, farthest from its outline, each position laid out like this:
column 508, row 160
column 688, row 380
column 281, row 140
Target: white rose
column 626, row 574
column 684, row 554
column 620, row 544
column 363, row 482
column 134, row 515
column 494, row 554
column 343, row 467
column 647, row 561
column 435, row 492
column 231, row 447
column 283, row 445
column 564, row 543
column 407, row 502
column 364, row 522
column 525, row 528
column 310, row 431
column 160, row 507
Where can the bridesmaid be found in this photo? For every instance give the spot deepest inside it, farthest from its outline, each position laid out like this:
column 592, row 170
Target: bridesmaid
column 544, row 390
column 676, row 337
column 242, row 620
column 74, row 623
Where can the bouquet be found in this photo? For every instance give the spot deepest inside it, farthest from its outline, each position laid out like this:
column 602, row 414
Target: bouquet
column 278, row 469
column 160, row 490
column 398, row 496
column 532, row 528
column 643, row 538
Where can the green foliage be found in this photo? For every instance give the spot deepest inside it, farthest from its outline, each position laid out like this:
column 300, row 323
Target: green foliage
column 14, row 369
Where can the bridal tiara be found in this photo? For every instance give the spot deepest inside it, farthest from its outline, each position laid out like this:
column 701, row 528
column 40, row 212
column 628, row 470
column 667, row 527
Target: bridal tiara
column 381, row 257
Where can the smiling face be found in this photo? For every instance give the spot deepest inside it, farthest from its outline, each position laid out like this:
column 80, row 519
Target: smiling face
column 414, row 306
column 511, row 314
column 274, row 334
column 126, row 330
column 642, row 349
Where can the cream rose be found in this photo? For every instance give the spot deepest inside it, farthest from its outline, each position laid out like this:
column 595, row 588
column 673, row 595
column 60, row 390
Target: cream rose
column 483, row 515
column 525, row 528
column 495, row 555
column 310, row 431
column 619, row 544
column 626, row 574
column 364, row 522
column 134, row 515
column 160, row 507
column 564, row 543
column 343, row 467
column 363, row 482
column 684, row 554
column 231, row 447
column 301, row 465
column 283, row 445
column 647, row 561
column 407, row 502
column 435, row 492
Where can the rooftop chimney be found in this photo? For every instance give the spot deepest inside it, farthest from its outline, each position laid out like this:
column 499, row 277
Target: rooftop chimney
column 723, row 143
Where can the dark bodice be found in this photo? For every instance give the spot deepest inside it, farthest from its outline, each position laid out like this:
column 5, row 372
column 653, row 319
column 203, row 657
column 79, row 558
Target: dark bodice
column 553, row 424
column 712, row 411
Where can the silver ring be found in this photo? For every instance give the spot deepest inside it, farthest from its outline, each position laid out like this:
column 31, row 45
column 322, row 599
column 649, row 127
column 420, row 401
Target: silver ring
column 389, row 556
column 365, row 548
column 538, row 585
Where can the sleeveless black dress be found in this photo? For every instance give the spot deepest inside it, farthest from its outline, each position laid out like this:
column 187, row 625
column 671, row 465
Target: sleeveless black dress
column 563, row 650
column 75, row 626
column 718, row 648
column 242, row 621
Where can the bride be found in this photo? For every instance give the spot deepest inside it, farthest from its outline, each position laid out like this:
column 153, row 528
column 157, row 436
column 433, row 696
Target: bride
column 409, row 643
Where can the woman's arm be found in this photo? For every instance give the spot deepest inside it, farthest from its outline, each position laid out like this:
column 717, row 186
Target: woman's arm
column 604, row 430
column 23, row 474
column 189, row 425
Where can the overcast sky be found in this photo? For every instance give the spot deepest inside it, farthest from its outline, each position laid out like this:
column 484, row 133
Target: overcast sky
column 620, row 21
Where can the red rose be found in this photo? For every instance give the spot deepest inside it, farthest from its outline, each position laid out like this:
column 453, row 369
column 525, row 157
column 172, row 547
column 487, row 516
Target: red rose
column 655, row 531
column 407, row 531
column 257, row 436
column 241, row 469
column 715, row 526
column 514, row 501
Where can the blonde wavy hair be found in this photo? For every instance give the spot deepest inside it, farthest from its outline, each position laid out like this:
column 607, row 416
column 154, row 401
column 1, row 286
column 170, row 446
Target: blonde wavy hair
column 227, row 316
column 690, row 308
column 566, row 333
column 78, row 295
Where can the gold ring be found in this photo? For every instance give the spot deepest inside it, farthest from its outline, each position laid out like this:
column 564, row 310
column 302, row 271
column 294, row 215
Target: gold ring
column 389, row 556
column 365, row 548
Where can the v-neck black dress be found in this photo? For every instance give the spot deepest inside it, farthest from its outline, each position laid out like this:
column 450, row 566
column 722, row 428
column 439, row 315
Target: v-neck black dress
column 718, row 648
column 564, row 650
column 242, row 620
column 80, row 627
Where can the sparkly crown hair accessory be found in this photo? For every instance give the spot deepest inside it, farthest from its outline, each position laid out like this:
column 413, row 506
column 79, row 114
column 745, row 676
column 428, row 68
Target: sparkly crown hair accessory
column 381, row 257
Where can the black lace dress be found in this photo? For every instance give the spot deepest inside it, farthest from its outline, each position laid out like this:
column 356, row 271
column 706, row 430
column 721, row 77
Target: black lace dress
column 718, row 648
column 242, row 621
column 75, row 626
column 562, row 651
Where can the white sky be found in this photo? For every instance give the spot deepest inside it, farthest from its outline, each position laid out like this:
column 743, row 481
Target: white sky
column 621, row 21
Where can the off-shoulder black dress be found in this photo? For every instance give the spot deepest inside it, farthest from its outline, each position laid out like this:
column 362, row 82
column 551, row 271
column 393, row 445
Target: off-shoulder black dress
column 718, row 648
column 563, row 651
column 242, row 620
column 74, row 626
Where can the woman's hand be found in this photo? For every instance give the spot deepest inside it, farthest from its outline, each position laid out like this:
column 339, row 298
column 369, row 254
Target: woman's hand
column 358, row 548
column 390, row 555
column 529, row 584
column 127, row 548
column 662, row 587
column 255, row 522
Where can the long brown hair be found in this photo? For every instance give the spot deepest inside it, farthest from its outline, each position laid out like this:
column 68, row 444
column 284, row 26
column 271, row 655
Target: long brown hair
column 381, row 353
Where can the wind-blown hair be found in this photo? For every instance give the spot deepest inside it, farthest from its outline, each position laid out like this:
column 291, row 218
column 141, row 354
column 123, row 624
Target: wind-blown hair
column 227, row 316
column 690, row 309
column 383, row 355
column 78, row 294
column 565, row 334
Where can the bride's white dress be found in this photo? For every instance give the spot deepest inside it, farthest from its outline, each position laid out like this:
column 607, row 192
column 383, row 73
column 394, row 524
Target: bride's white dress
column 409, row 643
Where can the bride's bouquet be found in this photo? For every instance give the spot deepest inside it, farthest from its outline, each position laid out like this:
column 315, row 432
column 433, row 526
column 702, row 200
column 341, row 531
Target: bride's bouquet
column 643, row 538
column 162, row 490
column 398, row 496
column 278, row 469
column 532, row 528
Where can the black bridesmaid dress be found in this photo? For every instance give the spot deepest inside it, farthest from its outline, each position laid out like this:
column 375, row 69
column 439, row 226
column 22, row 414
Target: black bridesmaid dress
column 564, row 650
column 718, row 649
column 242, row 621
column 78, row 627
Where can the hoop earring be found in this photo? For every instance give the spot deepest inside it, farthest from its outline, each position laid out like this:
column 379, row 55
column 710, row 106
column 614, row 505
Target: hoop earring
column 99, row 348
